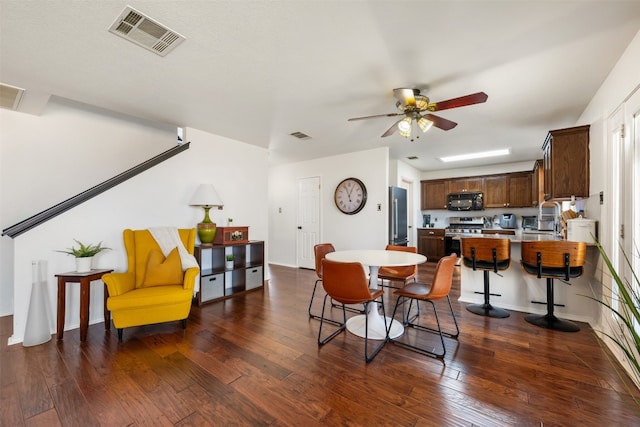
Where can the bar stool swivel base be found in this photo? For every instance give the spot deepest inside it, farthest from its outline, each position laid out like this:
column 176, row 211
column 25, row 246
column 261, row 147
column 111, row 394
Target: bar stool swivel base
column 488, row 310
column 551, row 322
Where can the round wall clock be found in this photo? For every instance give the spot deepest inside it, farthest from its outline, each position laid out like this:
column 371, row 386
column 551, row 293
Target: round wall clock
column 350, row 196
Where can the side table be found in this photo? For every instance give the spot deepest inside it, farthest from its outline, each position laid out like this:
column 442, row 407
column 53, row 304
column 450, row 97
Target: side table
column 85, row 280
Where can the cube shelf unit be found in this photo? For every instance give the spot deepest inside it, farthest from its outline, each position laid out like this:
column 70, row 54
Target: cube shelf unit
column 218, row 282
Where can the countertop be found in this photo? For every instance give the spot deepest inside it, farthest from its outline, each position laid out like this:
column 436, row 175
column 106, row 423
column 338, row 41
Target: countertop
column 519, row 236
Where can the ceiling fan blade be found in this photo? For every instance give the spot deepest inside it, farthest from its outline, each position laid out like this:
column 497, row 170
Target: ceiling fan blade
column 474, row 98
column 374, row 116
column 405, row 96
column 440, row 122
column 392, row 129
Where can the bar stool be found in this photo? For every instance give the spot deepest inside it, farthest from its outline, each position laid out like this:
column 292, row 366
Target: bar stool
column 486, row 254
column 556, row 259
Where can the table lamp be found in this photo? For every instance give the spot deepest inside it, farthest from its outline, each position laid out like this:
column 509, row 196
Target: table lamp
column 207, row 197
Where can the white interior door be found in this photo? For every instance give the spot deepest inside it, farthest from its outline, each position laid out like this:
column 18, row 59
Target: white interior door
column 308, row 234
column 624, row 146
column 632, row 176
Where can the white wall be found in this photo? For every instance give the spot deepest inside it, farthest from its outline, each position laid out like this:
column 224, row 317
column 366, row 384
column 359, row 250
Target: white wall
column 365, row 230
column 69, row 148
column 621, row 83
column 157, row 197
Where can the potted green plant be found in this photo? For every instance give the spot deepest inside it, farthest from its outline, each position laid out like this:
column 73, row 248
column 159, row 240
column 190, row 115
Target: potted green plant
column 627, row 313
column 84, row 254
column 229, row 263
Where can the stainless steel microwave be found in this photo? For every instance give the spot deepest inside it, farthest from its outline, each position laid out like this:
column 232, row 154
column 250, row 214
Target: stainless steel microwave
column 471, row 201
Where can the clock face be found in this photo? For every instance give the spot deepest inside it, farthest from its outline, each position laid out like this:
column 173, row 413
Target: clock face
column 350, row 196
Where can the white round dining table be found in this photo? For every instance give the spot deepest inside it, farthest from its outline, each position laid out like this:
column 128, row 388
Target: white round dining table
column 374, row 259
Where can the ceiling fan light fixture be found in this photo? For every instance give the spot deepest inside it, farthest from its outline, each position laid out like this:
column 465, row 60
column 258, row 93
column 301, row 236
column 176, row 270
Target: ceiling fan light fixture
column 421, row 102
column 404, row 127
column 424, row 124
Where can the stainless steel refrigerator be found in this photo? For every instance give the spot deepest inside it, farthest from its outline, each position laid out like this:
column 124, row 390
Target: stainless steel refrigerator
column 398, row 216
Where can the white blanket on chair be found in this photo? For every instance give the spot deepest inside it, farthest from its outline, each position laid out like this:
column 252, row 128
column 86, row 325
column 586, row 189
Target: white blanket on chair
column 168, row 239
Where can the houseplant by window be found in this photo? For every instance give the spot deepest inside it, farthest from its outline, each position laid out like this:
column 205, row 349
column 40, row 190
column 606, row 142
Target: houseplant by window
column 626, row 311
column 84, row 254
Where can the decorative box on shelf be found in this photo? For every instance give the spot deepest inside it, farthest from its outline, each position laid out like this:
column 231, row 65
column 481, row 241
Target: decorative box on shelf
column 230, row 235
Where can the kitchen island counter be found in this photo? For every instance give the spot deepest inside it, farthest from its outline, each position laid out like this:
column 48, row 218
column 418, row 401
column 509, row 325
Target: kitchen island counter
column 517, row 237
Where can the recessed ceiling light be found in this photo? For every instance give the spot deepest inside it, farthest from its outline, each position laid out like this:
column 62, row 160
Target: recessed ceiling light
column 481, row 155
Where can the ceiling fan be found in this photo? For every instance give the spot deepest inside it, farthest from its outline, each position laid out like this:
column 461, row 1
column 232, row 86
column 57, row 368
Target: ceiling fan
column 415, row 106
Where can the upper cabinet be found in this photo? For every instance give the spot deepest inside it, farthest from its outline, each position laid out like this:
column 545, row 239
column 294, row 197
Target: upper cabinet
column 502, row 190
column 495, row 191
column 433, row 194
column 508, row 190
column 464, row 185
column 537, row 193
column 520, row 191
column 566, row 163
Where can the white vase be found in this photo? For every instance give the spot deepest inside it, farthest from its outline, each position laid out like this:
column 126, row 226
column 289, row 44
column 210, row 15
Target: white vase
column 229, row 265
column 83, row 264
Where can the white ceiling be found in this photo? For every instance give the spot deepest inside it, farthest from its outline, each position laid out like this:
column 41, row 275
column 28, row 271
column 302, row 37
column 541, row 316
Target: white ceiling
column 256, row 71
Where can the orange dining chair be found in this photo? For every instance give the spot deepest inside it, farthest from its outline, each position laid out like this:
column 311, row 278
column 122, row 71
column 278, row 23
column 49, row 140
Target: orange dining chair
column 320, row 251
column 553, row 259
column 438, row 289
column 398, row 274
column 346, row 283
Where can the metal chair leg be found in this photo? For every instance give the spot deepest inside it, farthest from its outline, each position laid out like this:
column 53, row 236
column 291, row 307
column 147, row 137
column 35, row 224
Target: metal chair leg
column 368, row 358
column 439, row 331
column 342, row 326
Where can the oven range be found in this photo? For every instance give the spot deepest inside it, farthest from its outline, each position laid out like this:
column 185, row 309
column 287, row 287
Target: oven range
column 458, row 226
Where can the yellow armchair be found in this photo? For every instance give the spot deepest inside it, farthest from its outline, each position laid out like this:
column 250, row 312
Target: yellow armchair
column 154, row 289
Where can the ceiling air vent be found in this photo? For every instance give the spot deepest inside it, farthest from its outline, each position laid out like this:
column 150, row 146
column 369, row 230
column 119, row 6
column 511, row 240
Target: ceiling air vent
column 144, row 31
column 10, row 96
column 300, row 135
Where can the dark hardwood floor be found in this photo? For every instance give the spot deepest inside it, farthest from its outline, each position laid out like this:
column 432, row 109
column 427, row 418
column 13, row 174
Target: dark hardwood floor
column 254, row 360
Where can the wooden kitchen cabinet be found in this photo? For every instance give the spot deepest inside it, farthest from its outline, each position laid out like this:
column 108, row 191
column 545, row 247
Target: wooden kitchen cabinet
column 519, row 189
column 500, row 190
column 566, row 163
column 511, row 190
column 433, row 194
column 464, row 185
column 495, row 191
column 537, row 184
column 431, row 243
